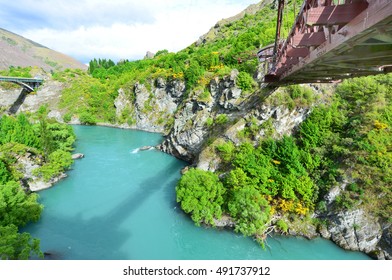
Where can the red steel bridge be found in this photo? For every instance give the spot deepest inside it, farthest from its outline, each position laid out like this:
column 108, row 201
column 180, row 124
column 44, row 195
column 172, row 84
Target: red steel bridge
column 331, row 40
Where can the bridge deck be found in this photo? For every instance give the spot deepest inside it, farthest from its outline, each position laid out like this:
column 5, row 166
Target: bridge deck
column 21, row 79
column 29, row 84
column 363, row 46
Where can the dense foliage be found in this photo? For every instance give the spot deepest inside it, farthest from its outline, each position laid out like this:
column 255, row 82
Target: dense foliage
column 86, row 97
column 17, row 72
column 350, row 140
column 201, row 195
column 49, row 144
column 347, row 140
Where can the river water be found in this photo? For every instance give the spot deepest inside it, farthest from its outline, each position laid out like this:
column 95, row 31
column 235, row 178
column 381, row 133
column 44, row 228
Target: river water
column 119, row 203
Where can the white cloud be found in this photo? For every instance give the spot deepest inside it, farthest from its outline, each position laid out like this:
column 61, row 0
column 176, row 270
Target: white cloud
column 119, row 29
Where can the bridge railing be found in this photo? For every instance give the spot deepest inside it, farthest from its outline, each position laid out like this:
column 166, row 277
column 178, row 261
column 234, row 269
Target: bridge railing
column 21, row 79
column 315, row 21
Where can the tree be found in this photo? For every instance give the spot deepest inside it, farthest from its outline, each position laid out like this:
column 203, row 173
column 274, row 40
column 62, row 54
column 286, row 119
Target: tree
column 250, row 211
column 4, row 173
column 17, row 246
column 244, row 81
column 201, row 194
column 18, row 130
column 17, row 207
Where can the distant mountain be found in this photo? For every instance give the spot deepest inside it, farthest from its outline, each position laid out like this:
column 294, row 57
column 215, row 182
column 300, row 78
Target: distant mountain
column 16, row 50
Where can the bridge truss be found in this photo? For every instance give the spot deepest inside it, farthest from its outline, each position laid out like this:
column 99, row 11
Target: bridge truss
column 332, row 40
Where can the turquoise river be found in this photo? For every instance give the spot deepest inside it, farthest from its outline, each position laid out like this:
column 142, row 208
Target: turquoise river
column 119, row 203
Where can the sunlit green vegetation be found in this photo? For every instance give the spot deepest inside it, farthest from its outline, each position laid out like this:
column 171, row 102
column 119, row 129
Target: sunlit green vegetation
column 47, row 143
column 17, row 72
column 234, row 46
column 201, row 195
column 348, row 139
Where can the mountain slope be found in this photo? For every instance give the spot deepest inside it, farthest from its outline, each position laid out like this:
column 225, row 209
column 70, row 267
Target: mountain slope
column 19, row 51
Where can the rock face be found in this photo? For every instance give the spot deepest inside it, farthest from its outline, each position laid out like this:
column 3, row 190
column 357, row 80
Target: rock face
column 77, row 156
column 18, row 101
column 197, row 120
column 225, row 222
column 26, row 164
column 354, row 230
column 150, row 109
column 190, row 129
column 384, row 247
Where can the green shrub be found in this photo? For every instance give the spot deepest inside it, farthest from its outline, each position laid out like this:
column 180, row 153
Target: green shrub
column 200, row 193
column 282, row 226
column 67, row 117
column 226, row 151
column 87, row 119
column 244, row 81
column 17, row 246
column 5, row 175
column 221, row 119
column 58, row 162
column 250, row 211
column 209, row 122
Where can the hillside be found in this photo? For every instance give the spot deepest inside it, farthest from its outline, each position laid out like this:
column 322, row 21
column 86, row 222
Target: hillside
column 19, row 51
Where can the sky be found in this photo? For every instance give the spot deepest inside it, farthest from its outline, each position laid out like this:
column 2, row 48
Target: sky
column 115, row 29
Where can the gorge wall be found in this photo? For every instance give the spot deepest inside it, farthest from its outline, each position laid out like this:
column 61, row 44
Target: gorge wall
column 193, row 122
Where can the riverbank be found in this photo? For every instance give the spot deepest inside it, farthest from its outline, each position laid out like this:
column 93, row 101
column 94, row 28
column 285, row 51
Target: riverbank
column 114, row 192
column 362, row 233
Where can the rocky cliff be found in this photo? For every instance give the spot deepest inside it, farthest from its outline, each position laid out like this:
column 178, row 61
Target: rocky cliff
column 201, row 120
column 150, row 105
column 193, row 122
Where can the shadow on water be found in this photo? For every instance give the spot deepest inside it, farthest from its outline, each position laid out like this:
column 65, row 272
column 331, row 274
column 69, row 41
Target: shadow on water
column 102, row 237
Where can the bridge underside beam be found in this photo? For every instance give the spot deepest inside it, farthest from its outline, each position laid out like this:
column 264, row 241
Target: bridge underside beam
column 25, row 85
column 297, row 52
column 361, row 47
column 309, row 39
column 335, row 15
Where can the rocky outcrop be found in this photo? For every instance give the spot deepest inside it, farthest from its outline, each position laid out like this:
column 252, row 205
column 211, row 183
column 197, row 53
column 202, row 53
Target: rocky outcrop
column 149, row 109
column 26, row 164
column 224, row 222
column 8, row 98
column 190, row 129
column 16, row 100
column 48, row 94
column 383, row 250
column 77, row 156
column 121, row 102
column 358, row 230
column 354, row 230
column 198, row 120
